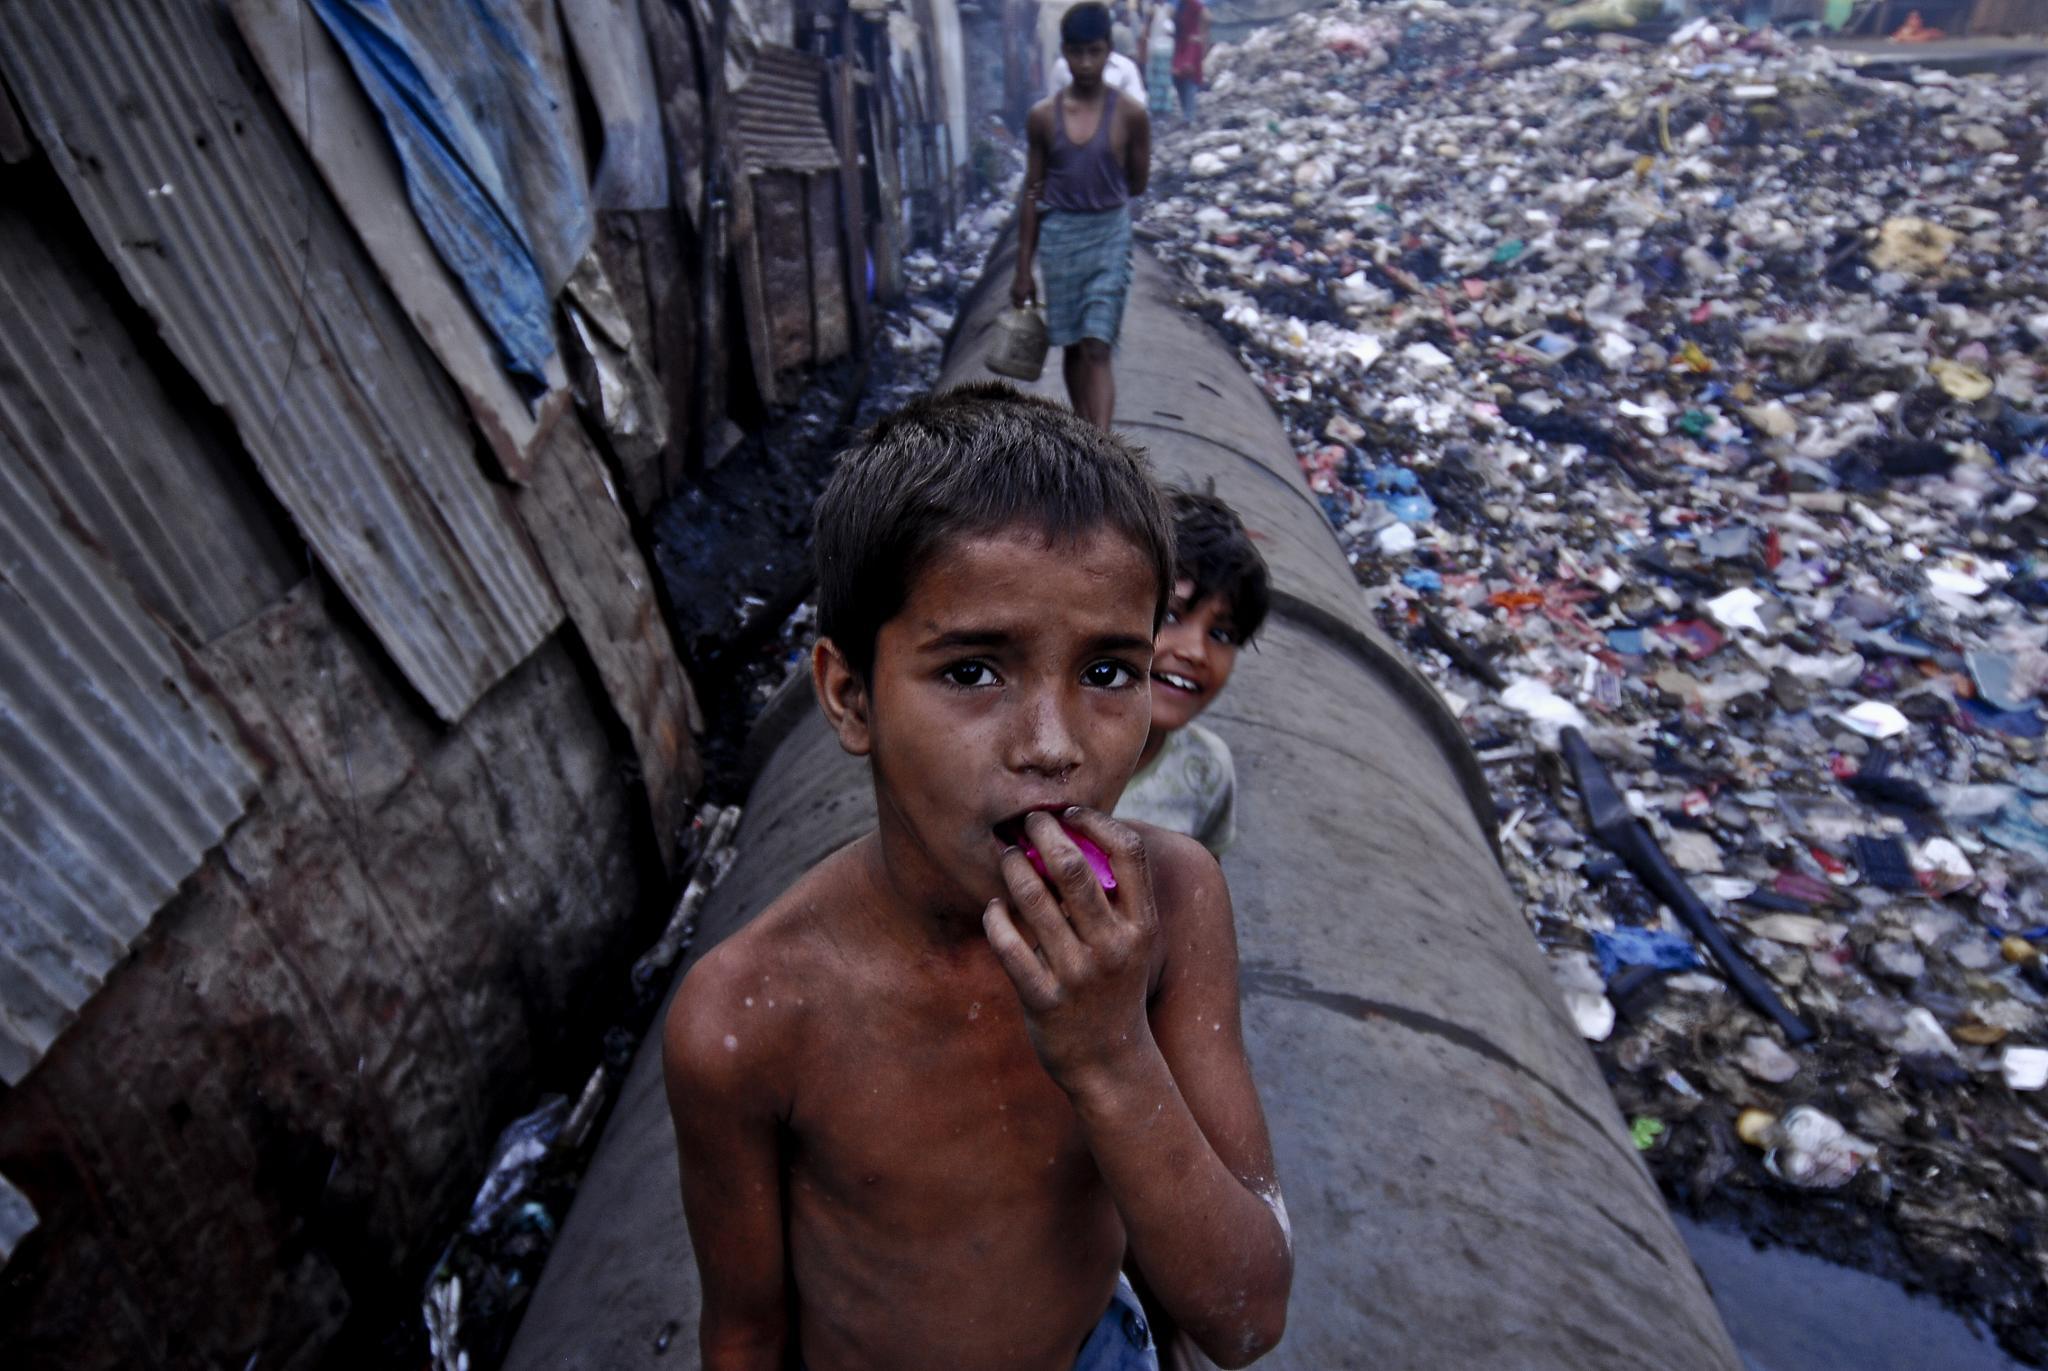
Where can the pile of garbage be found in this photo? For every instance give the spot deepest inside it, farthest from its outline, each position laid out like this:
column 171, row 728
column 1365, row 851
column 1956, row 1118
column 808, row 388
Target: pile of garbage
column 1678, row 400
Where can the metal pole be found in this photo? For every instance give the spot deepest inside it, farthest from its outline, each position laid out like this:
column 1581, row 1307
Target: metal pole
column 711, row 236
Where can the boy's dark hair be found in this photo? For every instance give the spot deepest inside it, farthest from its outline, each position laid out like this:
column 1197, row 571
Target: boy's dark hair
column 1085, row 23
column 1212, row 549
column 972, row 460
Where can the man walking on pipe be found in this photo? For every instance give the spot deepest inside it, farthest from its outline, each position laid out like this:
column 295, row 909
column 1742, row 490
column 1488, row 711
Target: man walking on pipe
column 1090, row 153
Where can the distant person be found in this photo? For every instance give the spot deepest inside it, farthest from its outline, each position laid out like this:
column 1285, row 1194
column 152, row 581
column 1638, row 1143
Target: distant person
column 1120, row 73
column 1090, row 153
column 934, row 1097
column 1123, row 38
column 1159, row 58
column 1186, row 780
column 1191, row 45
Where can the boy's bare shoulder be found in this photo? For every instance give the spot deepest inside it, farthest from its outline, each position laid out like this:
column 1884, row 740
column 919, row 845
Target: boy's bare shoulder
column 1174, row 856
column 1038, row 122
column 1196, row 944
column 741, row 1009
column 1187, row 884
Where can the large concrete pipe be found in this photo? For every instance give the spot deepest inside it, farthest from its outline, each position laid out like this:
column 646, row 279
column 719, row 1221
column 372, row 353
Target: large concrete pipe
column 1462, row 1189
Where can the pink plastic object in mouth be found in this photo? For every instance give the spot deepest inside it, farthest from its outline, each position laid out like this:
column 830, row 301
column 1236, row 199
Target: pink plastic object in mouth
column 1098, row 860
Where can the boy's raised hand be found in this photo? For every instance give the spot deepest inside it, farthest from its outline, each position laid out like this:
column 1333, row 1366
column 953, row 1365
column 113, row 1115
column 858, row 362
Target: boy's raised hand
column 1081, row 960
column 1171, row 1116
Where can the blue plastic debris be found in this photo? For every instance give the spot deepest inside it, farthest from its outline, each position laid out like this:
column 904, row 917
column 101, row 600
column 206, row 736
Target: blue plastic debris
column 1994, row 674
column 1422, row 579
column 1629, row 642
column 1391, row 477
column 1894, row 641
column 1643, row 947
column 1413, row 509
column 2017, row 830
column 2013, row 723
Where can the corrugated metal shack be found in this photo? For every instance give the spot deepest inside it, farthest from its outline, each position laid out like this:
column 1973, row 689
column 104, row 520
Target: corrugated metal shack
column 344, row 749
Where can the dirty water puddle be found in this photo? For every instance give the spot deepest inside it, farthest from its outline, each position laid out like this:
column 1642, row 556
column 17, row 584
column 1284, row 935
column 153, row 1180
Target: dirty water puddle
column 1789, row 1311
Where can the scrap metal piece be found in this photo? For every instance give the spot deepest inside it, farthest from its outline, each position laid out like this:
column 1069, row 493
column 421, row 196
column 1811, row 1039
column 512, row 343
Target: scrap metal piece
column 1609, row 817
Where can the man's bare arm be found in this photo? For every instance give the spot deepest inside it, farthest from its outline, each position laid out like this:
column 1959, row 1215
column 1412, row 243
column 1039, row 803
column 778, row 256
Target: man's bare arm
column 1037, row 137
column 1166, row 1099
column 726, row 1124
column 1138, row 150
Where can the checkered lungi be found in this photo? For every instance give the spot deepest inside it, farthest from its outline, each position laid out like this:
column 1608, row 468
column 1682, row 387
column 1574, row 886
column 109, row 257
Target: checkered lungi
column 1159, row 85
column 1085, row 259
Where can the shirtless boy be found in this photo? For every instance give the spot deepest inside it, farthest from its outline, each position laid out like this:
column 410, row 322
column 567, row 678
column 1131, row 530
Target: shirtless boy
column 1090, row 153
column 929, row 1099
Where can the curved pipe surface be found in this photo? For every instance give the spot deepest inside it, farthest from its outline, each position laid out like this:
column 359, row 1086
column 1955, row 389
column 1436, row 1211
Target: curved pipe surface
column 1461, row 1187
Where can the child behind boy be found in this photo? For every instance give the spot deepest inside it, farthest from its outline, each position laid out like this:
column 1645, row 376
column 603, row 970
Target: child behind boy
column 928, row 1100
column 1185, row 779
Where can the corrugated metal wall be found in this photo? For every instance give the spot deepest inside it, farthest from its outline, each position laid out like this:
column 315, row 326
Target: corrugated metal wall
column 127, row 468
column 116, row 776
column 271, row 1113
column 196, row 189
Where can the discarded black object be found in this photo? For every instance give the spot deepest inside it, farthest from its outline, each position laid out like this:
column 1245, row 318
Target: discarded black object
column 1892, row 459
column 1772, row 900
column 1884, row 862
column 2026, row 1165
column 1657, row 557
column 1900, row 457
column 1462, row 653
column 1900, row 792
column 1562, row 426
column 1630, row 983
column 1609, row 817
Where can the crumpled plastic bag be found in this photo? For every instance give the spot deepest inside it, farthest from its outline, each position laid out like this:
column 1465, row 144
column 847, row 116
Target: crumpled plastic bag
column 1813, row 1151
column 1603, row 14
column 1913, row 246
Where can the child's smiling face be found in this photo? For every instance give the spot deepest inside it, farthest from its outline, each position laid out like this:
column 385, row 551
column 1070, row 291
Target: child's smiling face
column 1196, row 653
column 1015, row 677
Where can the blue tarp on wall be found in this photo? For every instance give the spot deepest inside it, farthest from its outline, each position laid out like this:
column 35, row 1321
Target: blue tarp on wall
column 484, row 140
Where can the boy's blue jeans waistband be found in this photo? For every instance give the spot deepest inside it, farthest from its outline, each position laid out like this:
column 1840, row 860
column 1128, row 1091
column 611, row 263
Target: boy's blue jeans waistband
column 1122, row 1339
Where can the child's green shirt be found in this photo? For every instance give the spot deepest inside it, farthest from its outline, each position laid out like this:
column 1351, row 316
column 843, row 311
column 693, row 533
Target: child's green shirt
column 1189, row 787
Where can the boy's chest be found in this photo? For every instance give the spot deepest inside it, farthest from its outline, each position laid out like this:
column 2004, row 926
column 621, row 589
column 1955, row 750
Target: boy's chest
column 1080, row 128
column 920, row 1103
